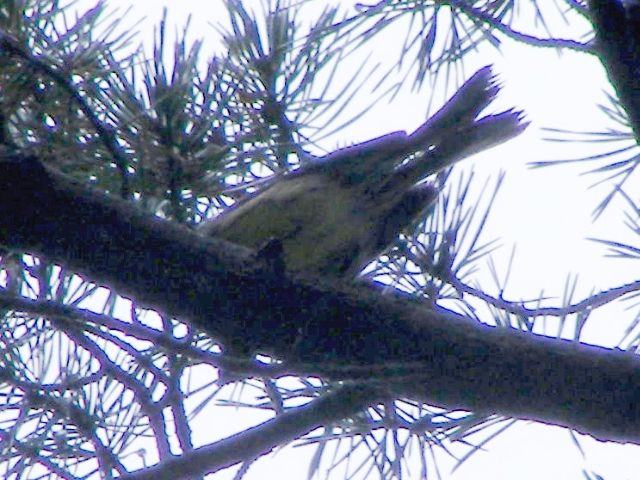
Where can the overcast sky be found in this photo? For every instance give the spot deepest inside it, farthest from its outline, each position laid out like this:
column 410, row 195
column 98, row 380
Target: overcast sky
column 545, row 213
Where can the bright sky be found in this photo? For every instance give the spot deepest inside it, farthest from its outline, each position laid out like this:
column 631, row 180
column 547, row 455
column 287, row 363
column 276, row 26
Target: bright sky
column 545, row 213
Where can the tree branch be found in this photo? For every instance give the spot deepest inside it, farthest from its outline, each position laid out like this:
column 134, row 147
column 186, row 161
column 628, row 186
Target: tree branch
column 617, row 26
column 263, row 438
column 346, row 333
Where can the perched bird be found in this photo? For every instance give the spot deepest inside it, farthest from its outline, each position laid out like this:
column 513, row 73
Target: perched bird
column 339, row 212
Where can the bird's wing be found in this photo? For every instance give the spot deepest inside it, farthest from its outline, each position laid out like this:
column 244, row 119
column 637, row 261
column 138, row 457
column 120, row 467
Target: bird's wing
column 453, row 129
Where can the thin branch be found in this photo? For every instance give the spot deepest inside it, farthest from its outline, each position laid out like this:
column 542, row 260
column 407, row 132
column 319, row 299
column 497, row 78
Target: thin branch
column 517, row 308
column 556, row 43
column 109, row 140
column 262, row 439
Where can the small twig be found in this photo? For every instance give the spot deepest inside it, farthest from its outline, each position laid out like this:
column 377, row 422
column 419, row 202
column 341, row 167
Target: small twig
column 517, row 308
column 518, row 36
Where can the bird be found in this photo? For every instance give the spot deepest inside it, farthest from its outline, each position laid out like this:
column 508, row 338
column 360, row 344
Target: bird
column 337, row 213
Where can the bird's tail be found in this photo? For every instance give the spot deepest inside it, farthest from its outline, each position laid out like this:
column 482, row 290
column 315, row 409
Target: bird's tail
column 454, row 133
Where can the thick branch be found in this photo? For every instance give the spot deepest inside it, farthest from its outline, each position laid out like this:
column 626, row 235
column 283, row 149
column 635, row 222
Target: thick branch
column 355, row 333
column 617, row 26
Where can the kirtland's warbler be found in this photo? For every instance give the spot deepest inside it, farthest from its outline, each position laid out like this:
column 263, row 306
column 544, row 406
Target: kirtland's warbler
column 339, row 212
